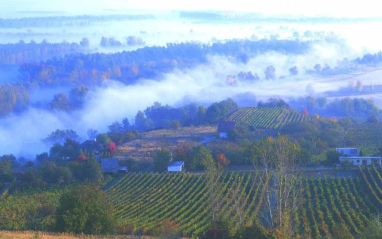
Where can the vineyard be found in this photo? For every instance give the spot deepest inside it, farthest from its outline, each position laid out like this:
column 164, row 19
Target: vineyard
column 367, row 136
column 266, row 117
column 144, row 201
column 333, row 204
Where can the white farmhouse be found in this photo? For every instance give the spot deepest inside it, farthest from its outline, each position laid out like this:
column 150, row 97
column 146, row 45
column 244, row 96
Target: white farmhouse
column 176, row 166
column 359, row 161
column 351, row 155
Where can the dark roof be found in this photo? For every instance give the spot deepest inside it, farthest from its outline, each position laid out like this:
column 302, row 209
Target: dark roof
column 109, row 165
column 225, row 126
column 92, row 145
column 176, row 163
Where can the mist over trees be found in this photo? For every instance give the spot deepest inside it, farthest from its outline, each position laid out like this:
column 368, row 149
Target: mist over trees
column 148, row 62
column 57, row 21
column 32, row 52
column 343, row 107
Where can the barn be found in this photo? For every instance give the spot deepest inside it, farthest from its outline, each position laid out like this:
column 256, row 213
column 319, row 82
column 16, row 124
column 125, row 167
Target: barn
column 176, row 166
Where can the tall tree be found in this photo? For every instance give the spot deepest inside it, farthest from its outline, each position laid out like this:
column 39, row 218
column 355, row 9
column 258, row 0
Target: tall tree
column 213, row 172
column 162, row 159
column 280, row 160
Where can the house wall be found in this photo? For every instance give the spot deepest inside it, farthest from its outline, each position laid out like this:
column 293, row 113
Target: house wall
column 174, row 168
column 359, row 161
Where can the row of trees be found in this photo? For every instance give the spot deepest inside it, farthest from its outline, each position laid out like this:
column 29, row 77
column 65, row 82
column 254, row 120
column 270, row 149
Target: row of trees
column 57, row 21
column 21, row 52
column 148, row 62
column 344, row 107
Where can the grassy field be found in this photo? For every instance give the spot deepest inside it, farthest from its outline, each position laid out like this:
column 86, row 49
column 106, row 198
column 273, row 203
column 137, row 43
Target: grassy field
column 152, row 141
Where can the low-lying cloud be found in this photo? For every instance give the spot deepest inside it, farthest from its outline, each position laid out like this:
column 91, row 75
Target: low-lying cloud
column 21, row 134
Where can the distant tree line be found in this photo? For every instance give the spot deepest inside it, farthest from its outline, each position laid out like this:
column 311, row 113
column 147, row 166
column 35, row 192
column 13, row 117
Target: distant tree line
column 21, row 52
column 57, row 21
column 158, row 116
column 344, row 107
column 148, row 62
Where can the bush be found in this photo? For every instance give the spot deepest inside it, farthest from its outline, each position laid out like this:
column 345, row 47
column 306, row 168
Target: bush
column 85, row 209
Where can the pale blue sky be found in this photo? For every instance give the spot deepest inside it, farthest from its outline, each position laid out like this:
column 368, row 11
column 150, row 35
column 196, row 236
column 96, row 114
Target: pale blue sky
column 339, row 8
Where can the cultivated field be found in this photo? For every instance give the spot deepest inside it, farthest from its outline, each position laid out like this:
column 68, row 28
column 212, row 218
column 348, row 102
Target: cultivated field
column 266, row 117
column 144, row 201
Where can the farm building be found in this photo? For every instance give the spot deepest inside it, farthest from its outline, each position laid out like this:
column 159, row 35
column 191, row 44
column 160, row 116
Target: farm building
column 224, row 127
column 357, row 161
column 111, row 165
column 176, row 166
column 351, row 155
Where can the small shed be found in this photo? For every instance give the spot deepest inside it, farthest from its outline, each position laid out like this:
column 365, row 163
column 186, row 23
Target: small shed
column 109, row 165
column 176, row 166
column 224, row 127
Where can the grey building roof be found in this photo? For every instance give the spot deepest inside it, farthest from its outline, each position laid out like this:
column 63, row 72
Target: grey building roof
column 176, row 163
column 348, row 151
